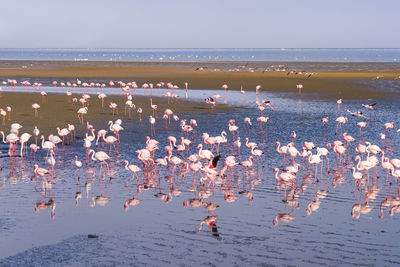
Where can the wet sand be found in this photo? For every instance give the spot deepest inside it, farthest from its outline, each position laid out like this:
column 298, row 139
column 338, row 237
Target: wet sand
column 57, row 112
column 325, row 84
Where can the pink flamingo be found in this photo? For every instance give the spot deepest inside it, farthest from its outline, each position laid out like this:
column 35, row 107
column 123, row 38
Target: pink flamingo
column 63, row 132
column 40, row 171
column 152, row 128
column 81, row 112
column 340, row 120
column 33, row 148
column 361, row 124
column 284, row 177
column 140, row 111
column 133, row 169
column 36, row 106
column 43, row 94
column 225, row 86
column 113, row 107
column 101, row 134
column 110, row 140
column 100, row 156
column 299, row 86
column 388, row 126
column 153, row 107
column 339, row 102
column 281, row 150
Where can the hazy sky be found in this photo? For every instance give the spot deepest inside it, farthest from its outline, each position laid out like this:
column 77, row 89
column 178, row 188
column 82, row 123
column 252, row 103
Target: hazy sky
column 199, row 24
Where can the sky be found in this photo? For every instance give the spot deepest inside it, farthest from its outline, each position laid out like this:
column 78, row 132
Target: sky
column 200, row 24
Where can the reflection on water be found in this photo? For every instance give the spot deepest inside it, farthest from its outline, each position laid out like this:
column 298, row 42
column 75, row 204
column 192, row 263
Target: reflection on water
column 230, row 210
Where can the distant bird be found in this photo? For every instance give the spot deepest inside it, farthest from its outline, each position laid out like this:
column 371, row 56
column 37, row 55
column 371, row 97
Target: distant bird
column 369, row 106
column 357, row 114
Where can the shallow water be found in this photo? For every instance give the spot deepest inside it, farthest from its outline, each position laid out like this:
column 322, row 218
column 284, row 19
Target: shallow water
column 159, row 233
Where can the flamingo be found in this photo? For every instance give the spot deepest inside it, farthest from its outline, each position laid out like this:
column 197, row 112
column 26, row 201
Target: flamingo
column 140, row 111
column 43, row 94
column 281, row 150
column 47, row 145
column 257, row 152
column 116, row 128
column 133, row 169
column 40, row 171
column 51, row 161
column 153, row 107
column 102, row 96
column 78, row 164
column 284, row 177
column 33, row 148
column 113, row 106
column 357, row 176
column 100, row 156
column 247, row 163
column 364, row 164
column 36, row 133
column 110, row 140
column 314, row 159
column 152, row 121
column 63, row 132
column 339, row 102
column 340, row 120
column 12, row 139
column 388, row 126
column 361, row 124
column 71, row 129
column 36, row 106
column 386, row 164
column 204, row 154
column 299, row 86
column 8, row 109
column 81, row 112
column 23, row 140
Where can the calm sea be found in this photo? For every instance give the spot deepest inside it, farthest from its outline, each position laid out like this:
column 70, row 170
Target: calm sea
column 205, row 55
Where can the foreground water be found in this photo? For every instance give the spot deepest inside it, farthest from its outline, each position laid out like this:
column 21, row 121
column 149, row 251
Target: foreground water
column 158, row 233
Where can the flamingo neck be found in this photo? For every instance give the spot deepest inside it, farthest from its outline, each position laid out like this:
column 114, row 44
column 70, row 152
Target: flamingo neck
column 277, row 148
column 358, row 164
column 276, row 175
column 126, row 166
column 92, row 152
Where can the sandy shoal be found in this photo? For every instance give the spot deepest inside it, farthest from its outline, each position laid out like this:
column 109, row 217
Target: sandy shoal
column 325, row 84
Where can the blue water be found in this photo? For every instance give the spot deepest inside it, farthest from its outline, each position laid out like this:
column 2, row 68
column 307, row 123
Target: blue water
column 205, row 55
column 163, row 234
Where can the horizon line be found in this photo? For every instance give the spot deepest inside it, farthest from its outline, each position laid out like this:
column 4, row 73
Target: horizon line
column 198, row 48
